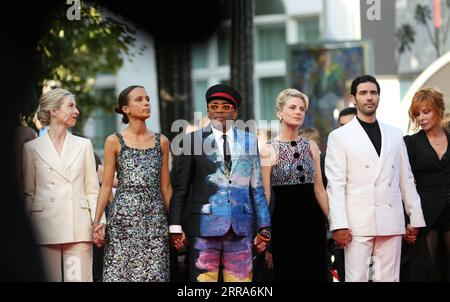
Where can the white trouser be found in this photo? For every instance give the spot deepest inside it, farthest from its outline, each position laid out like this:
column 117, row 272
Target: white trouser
column 70, row 262
column 375, row 258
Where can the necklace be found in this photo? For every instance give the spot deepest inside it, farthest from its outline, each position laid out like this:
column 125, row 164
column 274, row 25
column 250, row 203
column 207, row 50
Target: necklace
column 438, row 141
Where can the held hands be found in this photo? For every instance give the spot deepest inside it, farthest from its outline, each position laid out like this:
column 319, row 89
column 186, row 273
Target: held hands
column 342, row 237
column 178, row 240
column 259, row 244
column 98, row 236
column 411, row 234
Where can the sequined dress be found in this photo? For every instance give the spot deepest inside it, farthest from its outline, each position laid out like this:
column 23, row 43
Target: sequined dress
column 298, row 224
column 137, row 238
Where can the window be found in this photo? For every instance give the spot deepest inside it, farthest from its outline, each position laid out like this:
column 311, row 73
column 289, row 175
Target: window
column 199, row 91
column 223, row 46
column 104, row 120
column 105, row 124
column 269, row 89
column 309, row 29
column 271, row 43
column 268, row 7
column 200, row 55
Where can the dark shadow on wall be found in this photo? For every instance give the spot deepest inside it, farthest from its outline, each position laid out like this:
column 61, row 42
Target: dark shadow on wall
column 21, row 25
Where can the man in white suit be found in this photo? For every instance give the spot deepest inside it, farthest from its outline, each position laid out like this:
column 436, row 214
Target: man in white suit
column 369, row 175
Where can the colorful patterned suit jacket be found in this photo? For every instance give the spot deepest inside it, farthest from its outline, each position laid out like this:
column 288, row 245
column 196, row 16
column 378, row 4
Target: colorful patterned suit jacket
column 218, row 200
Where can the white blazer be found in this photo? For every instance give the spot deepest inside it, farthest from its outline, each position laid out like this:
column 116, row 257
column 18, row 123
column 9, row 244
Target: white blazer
column 365, row 191
column 61, row 192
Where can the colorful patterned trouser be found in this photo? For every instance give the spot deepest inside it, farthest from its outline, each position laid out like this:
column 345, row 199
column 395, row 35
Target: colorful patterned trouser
column 232, row 251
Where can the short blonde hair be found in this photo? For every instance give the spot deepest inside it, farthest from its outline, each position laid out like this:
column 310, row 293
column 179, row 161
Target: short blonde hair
column 431, row 98
column 48, row 101
column 287, row 94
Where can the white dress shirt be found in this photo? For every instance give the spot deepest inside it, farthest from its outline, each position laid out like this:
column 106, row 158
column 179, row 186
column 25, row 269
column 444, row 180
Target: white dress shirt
column 219, row 139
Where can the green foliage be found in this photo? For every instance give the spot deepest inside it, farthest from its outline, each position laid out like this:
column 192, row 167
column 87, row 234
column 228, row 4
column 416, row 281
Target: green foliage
column 423, row 14
column 73, row 53
column 405, row 37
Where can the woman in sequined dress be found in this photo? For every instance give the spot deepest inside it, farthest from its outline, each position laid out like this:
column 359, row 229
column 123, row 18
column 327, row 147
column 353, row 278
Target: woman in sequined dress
column 137, row 235
column 291, row 168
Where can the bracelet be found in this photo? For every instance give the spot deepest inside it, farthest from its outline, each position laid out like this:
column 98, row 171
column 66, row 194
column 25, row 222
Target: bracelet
column 263, row 238
column 95, row 222
column 264, row 234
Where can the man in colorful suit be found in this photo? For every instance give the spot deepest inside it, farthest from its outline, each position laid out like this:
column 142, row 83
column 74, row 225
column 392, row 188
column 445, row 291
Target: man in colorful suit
column 221, row 163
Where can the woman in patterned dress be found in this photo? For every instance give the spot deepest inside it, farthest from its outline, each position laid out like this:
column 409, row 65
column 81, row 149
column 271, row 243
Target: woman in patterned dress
column 137, row 237
column 291, row 167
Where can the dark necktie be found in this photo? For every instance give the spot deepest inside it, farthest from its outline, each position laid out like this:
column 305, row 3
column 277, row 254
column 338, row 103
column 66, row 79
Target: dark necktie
column 226, row 153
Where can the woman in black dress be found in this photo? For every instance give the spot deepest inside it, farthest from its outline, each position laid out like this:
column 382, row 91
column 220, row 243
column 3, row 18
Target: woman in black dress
column 430, row 163
column 291, row 167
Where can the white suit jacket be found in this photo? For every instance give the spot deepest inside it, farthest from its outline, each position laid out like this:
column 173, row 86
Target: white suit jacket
column 60, row 192
column 365, row 191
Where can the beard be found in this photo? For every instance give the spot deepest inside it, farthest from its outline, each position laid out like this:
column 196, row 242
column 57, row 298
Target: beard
column 367, row 111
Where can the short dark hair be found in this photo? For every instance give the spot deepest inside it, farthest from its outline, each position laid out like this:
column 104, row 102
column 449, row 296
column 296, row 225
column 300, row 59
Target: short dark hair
column 347, row 111
column 363, row 79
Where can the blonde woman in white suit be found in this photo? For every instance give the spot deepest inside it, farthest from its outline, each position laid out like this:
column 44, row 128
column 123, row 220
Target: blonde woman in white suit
column 61, row 188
